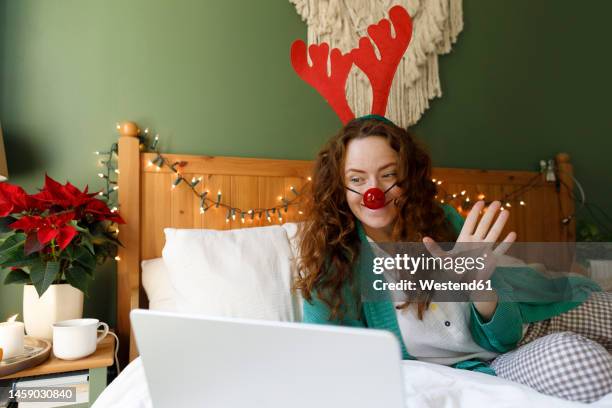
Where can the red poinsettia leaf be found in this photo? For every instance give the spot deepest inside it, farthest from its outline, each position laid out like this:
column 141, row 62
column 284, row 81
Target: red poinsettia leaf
column 14, row 195
column 6, row 208
column 69, row 188
column 65, row 236
column 27, row 223
column 51, row 184
column 99, row 209
column 61, row 219
column 76, row 196
column 54, row 193
column 4, row 187
column 86, row 191
column 20, row 200
column 90, row 196
column 43, row 195
column 97, row 206
column 32, row 203
column 48, row 198
column 116, row 218
column 46, row 234
column 81, row 200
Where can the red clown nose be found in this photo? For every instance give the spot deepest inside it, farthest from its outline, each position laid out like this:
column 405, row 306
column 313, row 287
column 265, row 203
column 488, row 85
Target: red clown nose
column 374, row 198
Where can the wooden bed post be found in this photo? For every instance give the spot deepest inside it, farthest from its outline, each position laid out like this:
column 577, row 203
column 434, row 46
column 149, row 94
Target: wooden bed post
column 128, row 266
column 565, row 174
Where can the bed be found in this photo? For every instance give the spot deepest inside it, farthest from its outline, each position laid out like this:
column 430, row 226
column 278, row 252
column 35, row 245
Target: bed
column 149, row 204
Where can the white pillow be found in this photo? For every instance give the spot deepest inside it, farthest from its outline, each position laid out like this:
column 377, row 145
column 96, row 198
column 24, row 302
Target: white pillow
column 157, row 285
column 237, row 273
column 298, row 301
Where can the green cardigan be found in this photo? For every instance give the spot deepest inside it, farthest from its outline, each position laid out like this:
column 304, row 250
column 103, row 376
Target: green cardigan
column 500, row 334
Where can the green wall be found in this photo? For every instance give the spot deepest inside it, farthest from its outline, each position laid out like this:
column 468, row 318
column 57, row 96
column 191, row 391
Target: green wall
column 526, row 80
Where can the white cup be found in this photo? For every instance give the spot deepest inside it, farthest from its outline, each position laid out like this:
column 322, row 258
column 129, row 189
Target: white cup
column 77, row 338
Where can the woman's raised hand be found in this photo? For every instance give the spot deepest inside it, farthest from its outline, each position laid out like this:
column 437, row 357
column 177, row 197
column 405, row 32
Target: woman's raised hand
column 474, row 231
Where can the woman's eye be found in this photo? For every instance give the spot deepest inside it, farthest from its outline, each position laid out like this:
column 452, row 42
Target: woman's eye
column 355, row 179
column 392, row 174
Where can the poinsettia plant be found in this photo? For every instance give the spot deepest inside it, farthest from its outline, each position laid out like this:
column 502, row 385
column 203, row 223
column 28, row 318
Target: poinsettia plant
column 57, row 235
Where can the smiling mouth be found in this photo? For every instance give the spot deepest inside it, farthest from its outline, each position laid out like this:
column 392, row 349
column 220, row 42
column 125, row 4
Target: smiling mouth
column 375, row 209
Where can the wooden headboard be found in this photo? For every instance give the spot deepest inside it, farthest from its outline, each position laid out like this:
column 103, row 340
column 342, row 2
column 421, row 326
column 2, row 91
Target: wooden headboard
column 148, row 204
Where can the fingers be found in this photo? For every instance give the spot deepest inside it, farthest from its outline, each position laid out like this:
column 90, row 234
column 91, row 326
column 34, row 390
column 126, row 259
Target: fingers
column 472, row 218
column 483, row 233
column 505, row 244
column 433, row 247
column 486, row 220
column 497, row 228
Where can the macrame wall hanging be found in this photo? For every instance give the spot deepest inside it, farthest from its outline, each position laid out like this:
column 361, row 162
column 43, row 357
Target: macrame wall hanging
column 436, row 25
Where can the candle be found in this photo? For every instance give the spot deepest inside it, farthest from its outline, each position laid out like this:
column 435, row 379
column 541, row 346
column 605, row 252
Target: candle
column 11, row 338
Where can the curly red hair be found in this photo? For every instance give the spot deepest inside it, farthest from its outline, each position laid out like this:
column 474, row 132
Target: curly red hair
column 328, row 239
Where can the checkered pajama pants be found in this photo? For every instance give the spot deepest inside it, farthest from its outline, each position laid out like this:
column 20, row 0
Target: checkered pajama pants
column 568, row 356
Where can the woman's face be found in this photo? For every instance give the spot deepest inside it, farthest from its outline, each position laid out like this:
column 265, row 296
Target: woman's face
column 371, row 162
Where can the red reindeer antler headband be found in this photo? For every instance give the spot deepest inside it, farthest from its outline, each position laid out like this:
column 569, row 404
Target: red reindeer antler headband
column 380, row 72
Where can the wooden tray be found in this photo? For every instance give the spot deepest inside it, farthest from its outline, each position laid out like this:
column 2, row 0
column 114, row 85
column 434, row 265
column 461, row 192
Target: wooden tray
column 31, row 359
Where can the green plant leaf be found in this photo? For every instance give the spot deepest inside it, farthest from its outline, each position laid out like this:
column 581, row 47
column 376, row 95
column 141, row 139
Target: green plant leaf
column 78, row 278
column 5, row 222
column 20, row 262
column 76, row 225
column 85, row 258
column 50, row 272
column 88, row 271
column 12, row 241
column 17, row 276
column 86, row 242
column 68, row 253
column 13, row 253
column 116, row 242
column 37, row 272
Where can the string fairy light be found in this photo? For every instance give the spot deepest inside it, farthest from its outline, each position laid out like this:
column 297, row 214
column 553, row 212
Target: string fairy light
column 177, row 181
column 206, row 202
column 218, row 199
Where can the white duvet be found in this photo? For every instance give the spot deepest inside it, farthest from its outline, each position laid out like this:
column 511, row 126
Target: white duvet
column 426, row 385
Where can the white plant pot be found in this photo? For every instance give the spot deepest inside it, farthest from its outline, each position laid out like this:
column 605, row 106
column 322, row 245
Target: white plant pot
column 59, row 302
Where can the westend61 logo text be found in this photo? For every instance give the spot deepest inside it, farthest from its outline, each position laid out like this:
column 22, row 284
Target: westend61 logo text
column 430, row 284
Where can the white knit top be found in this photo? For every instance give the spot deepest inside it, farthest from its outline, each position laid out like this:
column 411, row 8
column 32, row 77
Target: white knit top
column 443, row 336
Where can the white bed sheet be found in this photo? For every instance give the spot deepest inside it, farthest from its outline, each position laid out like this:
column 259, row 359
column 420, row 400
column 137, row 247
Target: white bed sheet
column 426, row 385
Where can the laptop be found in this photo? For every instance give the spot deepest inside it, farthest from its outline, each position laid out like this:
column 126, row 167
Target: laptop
column 215, row 362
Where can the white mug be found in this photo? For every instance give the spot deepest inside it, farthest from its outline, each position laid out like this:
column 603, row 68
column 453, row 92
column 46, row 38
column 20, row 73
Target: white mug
column 77, row 338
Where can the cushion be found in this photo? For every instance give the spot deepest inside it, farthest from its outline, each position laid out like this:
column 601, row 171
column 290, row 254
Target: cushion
column 292, row 229
column 237, row 273
column 157, row 285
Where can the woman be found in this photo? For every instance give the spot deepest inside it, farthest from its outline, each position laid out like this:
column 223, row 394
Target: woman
column 372, row 152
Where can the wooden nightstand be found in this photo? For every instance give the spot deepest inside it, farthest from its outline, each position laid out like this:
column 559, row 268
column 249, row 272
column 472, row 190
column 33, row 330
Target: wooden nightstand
column 97, row 364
